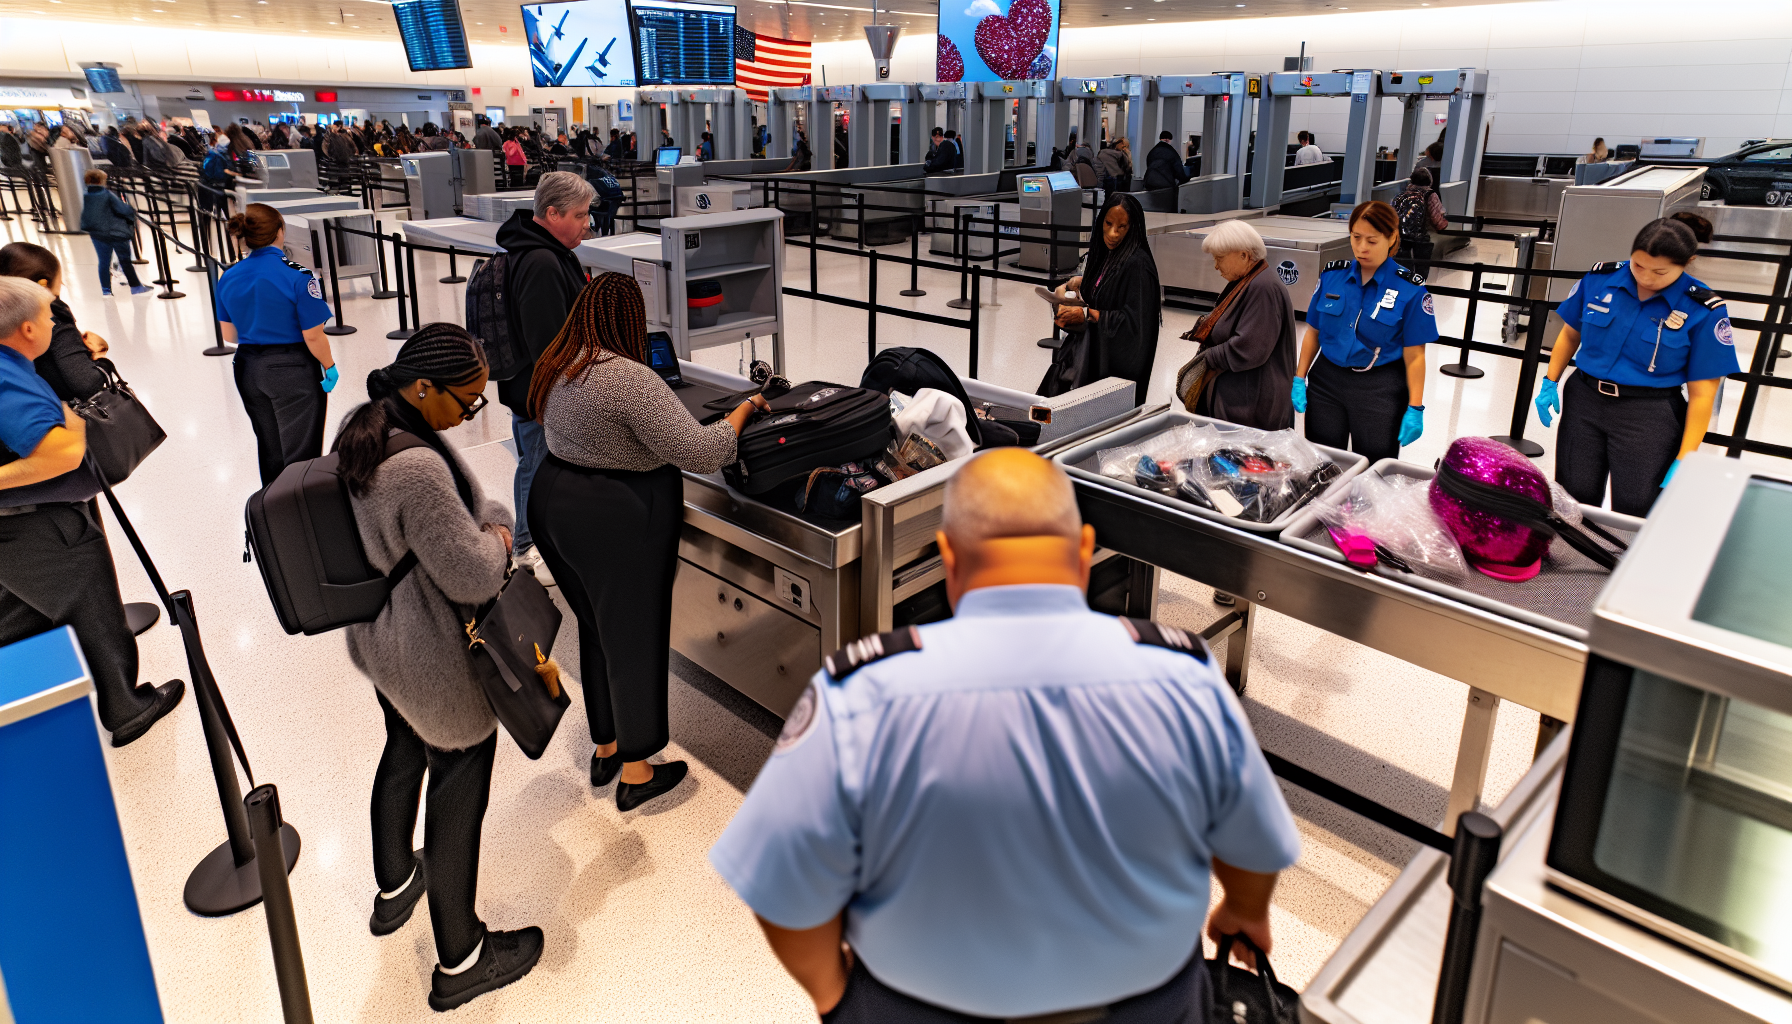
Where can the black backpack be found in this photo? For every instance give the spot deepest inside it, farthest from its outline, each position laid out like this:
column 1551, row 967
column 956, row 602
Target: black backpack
column 908, row 370
column 488, row 319
column 1413, row 208
column 302, row 533
column 810, row 426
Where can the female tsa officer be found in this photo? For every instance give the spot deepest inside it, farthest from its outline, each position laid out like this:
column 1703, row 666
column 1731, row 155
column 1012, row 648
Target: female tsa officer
column 1637, row 330
column 274, row 310
column 1368, row 324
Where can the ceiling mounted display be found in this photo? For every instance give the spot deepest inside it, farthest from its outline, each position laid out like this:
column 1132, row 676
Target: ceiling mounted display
column 979, row 41
column 434, row 38
column 583, row 43
column 684, row 44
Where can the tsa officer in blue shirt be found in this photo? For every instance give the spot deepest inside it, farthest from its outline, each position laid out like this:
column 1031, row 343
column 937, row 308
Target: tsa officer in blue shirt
column 1638, row 331
column 1361, row 377
column 1015, row 812
column 55, row 566
column 274, row 310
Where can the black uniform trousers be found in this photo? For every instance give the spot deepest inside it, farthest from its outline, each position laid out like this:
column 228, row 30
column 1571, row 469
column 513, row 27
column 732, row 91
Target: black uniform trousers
column 460, row 786
column 1357, row 411
column 56, row 570
column 610, row 537
column 1184, row 999
column 1634, row 440
column 281, row 391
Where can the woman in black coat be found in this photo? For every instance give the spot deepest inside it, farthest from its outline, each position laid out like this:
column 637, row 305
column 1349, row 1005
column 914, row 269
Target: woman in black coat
column 1114, row 329
column 1247, row 339
column 68, row 366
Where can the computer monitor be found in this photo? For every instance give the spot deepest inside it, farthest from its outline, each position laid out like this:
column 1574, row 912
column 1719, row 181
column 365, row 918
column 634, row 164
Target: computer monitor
column 668, row 156
column 661, row 357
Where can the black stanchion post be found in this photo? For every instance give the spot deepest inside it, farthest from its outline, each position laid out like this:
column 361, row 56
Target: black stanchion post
column 976, row 317
column 914, row 261
column 1765, row 347
column 1477, row 853
column 198, row 266
column 219, row 346
column 1461, row 368
column 961, row 245
column 454, row 276
column 265, row 824
column 871, row 313
column 410, row 265
column 404, row 330
column 379, row 255
column 814, row 229
column 338, row 327
column 1527, row 382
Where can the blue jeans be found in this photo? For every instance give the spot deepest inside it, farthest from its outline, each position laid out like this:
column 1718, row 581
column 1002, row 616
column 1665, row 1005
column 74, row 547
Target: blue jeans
column 107, row 248
column 531, row 448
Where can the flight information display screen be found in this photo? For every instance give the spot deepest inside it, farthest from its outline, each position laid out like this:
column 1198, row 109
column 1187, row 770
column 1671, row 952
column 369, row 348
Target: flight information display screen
column 581, row 43
column 434, row 39
column 103, row 80
column 684, row 44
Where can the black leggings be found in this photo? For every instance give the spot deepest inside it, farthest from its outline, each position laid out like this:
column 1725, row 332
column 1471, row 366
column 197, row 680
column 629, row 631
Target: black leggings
column 1634, row 440
column 610, row 537
column 1184, row 999
column 460, row 786
column 1357, row 411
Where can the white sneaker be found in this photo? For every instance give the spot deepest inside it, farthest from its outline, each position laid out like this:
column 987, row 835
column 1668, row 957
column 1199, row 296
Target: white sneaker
column 530, row 561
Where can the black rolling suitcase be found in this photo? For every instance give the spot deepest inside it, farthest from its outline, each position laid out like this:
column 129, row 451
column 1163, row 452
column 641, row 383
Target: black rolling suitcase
column 810, row 426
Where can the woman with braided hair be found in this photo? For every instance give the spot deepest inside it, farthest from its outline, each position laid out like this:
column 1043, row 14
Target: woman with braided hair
column 413, row 497
column 1113, row 329
column 606, row 508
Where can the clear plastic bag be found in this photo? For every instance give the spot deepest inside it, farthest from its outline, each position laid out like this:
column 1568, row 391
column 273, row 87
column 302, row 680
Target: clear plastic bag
column 1248, row 474
column 1389, row 520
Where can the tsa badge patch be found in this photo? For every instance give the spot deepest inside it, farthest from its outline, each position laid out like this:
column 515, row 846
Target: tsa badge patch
column 316, row 290
column 1288, row 272
column 801, row 722
column 1429, row 306
column 1723, row 332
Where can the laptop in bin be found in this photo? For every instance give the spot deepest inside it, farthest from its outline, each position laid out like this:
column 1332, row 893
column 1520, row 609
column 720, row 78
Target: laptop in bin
column 665, row 363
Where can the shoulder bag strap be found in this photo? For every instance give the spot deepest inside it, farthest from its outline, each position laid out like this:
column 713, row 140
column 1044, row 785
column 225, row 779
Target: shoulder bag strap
column 398, row 441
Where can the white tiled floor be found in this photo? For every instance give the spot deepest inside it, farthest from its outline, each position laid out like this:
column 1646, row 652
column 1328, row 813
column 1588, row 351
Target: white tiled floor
column 615, row 891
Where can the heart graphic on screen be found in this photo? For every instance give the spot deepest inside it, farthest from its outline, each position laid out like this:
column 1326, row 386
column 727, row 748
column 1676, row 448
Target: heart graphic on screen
column 1009, row 44
column 948, row 66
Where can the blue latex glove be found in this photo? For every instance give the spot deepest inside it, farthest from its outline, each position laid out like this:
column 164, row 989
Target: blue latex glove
column 1670, row 475
column 330, row 378
column 1548, row 399
column 1300, row 394
column 1412, row 424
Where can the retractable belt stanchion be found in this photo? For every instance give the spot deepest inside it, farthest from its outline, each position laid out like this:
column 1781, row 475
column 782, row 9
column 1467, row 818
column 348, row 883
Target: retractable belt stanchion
column 379, row 254
column 976, row 318
column 454, row 275
column 1476, row 853
column 210, row 264
column 263, row 807
column 1527, row 380
column 914, row 259
column 193, row 229
column 962, row 243
column 1461, row 368
column 337, row 328
column 871, row 314
column 404, row 331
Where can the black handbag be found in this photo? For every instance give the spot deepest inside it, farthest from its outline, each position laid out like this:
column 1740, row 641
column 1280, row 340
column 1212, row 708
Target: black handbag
column 120, row 431
column 516, row 631
column 1241, row 996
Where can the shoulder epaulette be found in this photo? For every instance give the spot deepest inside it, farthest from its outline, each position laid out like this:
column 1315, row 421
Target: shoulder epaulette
column 1337, row 265
column 1409, row 274
column 1606, row 267
column 300, row 267
column 1704, row 296
column 865, row 650
column 1155, row 634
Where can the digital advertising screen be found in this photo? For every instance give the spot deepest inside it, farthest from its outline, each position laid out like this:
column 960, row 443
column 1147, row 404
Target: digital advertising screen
column 434, row 39
column 684, row 44
column 993, row 40
column 582, row 43
column 103, row 79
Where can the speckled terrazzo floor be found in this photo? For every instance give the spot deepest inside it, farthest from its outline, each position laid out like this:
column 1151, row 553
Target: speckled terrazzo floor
column 612, row 889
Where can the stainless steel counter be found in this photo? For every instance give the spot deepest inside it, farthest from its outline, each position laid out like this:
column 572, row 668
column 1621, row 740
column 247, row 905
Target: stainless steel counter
column 1299, row 248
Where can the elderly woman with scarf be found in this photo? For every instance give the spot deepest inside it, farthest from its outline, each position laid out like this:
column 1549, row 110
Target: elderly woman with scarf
column 1245, row 366
column 1113, row 331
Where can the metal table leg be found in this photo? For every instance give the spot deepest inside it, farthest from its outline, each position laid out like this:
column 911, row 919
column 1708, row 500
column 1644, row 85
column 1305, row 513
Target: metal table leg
column 1235, row 627
column 1472, row 754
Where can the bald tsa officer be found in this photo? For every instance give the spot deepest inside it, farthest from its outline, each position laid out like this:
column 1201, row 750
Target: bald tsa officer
column 1014, row 812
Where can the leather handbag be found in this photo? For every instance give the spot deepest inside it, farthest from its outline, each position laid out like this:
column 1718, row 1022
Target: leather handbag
column 120, row 431
column 516, row 631
column 1241, row 996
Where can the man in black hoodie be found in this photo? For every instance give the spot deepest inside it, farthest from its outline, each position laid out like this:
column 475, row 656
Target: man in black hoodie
column 542, row 277
column 1163, row 165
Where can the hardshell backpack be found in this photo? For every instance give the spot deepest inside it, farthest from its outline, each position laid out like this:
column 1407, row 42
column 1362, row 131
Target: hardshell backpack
column 810, row 426
column 908, row 370
column 488, row 319
column 1412, row 206
column 302, row 533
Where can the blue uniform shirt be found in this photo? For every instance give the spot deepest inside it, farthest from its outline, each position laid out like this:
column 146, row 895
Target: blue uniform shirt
column 29, row 410
column 1366, row 325
column 1018, row 817
column 1630, row 342
column 270, row 300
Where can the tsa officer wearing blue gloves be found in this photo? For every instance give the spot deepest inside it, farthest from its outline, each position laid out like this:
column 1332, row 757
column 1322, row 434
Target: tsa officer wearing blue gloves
column 1637, row 331
column 274, row 310
column 1016, row 812
column 1361, row 377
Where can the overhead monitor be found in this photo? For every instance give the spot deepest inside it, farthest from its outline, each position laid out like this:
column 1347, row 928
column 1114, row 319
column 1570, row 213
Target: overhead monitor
column 997, row 40
column 668, row 156
column 103, row 78
column 434, row 38
column 583, row 43
column 684, row 44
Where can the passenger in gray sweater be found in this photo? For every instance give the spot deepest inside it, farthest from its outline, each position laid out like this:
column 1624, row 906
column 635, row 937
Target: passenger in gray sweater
column 422, row 500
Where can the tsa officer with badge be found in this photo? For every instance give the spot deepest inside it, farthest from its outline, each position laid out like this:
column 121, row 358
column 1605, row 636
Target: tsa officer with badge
column 1638, row 331
column 1015, row 813
column 274, row 310
column 1361, row 376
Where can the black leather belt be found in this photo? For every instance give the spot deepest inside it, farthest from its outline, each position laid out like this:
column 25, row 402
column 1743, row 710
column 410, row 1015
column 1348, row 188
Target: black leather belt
column 1610, row 390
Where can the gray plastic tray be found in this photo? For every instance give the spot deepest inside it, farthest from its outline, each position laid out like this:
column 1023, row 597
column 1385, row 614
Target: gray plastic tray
column 1081, row 462
column 1559, row 599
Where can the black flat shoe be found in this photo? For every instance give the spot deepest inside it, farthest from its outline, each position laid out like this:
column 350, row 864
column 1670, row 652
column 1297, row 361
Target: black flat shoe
column 167, row 696
column 605, row 769
column 505, row 957
column 389, row 915
column 666, row 777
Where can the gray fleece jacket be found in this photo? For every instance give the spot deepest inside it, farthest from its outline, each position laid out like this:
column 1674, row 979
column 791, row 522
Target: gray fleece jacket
column 416, row 651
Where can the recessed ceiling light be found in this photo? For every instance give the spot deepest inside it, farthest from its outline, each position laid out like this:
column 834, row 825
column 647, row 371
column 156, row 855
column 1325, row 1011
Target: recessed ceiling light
column 136, row 19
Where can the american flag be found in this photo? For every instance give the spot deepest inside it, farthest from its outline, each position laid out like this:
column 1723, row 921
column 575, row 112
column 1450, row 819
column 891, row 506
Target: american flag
column 761, row 63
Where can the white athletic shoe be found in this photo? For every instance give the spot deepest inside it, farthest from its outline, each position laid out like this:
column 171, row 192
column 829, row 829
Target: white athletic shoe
column 531, row 562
